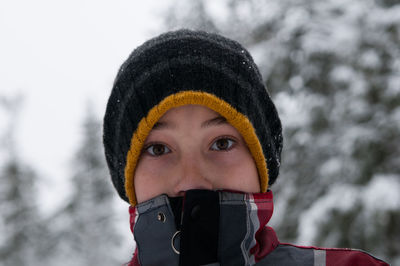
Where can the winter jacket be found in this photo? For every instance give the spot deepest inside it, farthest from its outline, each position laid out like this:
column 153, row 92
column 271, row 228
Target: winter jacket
column 222, row 228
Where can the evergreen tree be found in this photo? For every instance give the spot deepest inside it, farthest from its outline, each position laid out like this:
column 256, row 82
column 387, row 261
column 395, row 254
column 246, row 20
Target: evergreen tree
column 19, row 216
column 86, row 227
column 333, row 70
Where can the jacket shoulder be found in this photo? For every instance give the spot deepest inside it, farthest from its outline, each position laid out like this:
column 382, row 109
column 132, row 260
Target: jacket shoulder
column 288, row 254
column 345, row 256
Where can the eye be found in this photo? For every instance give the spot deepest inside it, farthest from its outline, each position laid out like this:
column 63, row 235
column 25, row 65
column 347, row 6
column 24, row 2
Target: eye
column 222, row 144
column 157, row 149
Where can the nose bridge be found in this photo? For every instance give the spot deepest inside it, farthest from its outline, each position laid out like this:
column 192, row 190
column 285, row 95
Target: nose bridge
column 193, row 172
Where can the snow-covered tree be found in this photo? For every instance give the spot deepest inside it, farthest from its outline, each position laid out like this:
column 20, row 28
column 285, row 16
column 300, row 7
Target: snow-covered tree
column 333, row 70
column 20, row 225
column 85, row 228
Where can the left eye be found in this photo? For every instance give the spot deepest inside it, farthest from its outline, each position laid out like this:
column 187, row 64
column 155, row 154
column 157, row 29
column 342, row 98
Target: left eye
column 223, row 144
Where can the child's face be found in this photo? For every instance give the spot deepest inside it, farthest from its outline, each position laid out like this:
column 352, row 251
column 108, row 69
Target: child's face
column 193, row 147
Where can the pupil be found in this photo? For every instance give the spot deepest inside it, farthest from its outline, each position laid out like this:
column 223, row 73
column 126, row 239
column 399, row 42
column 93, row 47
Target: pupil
column 158, row 149
column 222, row 144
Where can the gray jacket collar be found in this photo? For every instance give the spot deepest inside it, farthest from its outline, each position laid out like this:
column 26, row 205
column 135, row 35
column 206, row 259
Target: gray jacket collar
column 242, row 219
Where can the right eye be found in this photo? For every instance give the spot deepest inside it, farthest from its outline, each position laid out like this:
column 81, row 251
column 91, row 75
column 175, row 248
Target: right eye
column 157, row 149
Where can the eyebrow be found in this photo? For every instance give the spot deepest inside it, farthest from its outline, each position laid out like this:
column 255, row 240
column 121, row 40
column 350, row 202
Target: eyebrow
column 214, row 122
column 211, row 122
column 163, row 125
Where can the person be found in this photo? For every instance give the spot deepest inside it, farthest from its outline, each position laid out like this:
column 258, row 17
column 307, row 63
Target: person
column 193, row 142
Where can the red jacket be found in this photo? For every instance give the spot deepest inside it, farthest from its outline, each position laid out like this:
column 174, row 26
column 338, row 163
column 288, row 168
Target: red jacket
column 223, row 228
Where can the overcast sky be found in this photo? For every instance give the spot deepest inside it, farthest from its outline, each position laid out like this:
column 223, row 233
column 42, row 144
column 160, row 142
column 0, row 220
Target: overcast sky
column 60, row 55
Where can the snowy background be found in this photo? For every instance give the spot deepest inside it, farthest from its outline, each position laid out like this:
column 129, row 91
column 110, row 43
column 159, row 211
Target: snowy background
column 332, row 68
column 60, row 56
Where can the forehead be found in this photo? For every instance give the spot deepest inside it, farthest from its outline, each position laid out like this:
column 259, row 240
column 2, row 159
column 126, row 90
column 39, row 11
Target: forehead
column 190, row 116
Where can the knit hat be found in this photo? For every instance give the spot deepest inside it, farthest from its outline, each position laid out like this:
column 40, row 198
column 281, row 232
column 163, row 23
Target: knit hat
column 188, row 67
